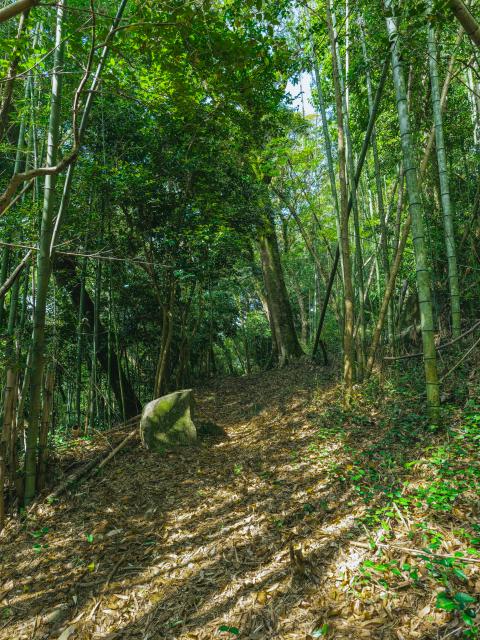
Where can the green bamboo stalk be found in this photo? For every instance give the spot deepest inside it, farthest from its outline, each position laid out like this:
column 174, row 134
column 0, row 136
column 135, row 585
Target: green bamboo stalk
column 444, row 184
column 44, row 262
column 416, row 213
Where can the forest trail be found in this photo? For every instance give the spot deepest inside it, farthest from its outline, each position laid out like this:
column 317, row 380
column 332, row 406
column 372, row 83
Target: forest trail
column 195, row 544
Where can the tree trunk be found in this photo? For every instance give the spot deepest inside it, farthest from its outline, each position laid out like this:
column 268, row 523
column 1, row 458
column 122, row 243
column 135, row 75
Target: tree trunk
column 80, row 341
column 444, row 184
column 358, row 173
column 108, row 359
column 416, row 213
column 466, row 19
column 167, row 334
column 401, row 240
column 284, row 335
column 328, row 149
column 45, row 426
column 67, row 186
column 348, row 343
column 378, row 179
column 15, row 8
column 44, row 264
column 352, row 189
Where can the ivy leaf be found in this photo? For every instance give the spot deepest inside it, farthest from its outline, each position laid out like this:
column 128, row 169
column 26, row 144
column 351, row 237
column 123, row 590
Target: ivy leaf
column 464, row 598
column 468, row 617
column 444, row 602
column 460, row 574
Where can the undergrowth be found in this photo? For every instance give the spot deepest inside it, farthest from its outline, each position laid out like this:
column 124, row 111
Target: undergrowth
column 416, row 483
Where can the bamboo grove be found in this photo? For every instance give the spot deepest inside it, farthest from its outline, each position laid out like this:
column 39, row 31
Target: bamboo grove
column 168, row 214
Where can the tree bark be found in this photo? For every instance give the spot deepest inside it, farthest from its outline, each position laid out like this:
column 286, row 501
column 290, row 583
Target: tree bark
column 466, row 19
column 15, row 8
column 281, row 317
column 352, row 190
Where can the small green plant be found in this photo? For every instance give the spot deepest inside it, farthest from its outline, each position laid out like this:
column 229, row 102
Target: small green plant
column 460, row 602
column 224, row 628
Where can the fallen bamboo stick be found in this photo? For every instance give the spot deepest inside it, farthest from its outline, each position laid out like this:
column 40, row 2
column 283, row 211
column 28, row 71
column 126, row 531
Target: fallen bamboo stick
column 93, row 465
column 116, row 450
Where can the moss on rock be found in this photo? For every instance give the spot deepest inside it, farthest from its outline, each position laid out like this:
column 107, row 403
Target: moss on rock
column 168, row 421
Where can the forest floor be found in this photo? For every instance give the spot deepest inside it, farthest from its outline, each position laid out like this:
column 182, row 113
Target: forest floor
column 303, row 521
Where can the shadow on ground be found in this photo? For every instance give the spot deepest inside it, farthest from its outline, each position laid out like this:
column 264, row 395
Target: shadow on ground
column 198, row 543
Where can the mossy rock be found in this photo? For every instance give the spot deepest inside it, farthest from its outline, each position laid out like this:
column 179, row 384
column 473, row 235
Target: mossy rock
column 168, row 421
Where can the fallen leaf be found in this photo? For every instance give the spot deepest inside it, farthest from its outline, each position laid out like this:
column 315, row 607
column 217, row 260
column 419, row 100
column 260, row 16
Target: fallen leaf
column 66, row 633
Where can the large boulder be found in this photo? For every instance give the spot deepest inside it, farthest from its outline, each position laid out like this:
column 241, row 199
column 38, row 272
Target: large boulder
column 167, row 421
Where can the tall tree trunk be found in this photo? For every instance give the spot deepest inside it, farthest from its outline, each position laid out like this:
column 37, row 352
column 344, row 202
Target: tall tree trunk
column 474, row 100
column 108, row 358
column 281, row 317
column 44, row 263
column 466, row 19
column 93, row 409
column 378, row 179
column 9, row 398
column 358, row 173
column 401, row 239
column 45, row 426
column 3, row 278
column 80, row 342
column 348, row 342
column 15, row 8
column 416, row 213
column 352, row 189
column 166, row 341
column 444, row 184
column 328, row 149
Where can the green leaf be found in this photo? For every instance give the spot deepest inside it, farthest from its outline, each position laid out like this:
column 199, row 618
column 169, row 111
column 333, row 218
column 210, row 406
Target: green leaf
column 444, row 602
column 468, row 618
column 460, row 574
column 233, row 630
column 464, row 598
column 90, row 538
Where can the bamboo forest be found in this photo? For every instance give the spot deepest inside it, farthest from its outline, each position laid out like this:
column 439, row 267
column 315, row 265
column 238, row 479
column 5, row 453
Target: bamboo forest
column 239, row 319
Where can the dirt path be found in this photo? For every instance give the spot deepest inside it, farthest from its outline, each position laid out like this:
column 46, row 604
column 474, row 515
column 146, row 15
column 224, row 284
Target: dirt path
column 197, row 544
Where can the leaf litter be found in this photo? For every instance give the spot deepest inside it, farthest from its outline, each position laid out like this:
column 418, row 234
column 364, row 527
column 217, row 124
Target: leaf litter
column 272, row 531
